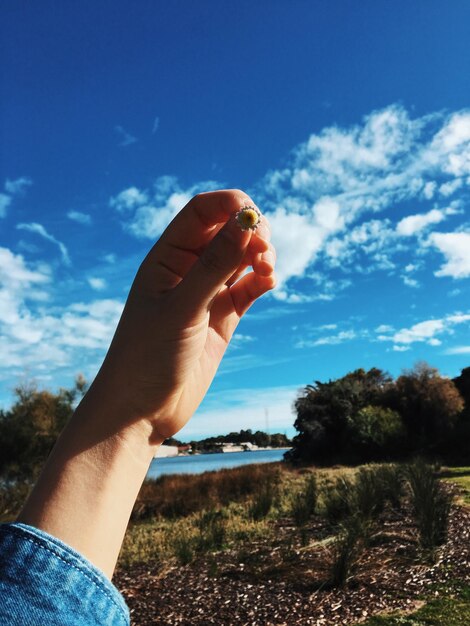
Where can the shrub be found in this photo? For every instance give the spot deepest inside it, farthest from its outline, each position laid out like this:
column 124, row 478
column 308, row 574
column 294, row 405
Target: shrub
column 431, row 504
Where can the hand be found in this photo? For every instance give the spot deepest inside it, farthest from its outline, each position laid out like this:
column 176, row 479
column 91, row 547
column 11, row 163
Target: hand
column 184, row 306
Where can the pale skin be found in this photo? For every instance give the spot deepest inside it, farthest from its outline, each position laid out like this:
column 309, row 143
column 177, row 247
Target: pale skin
column 183, row 308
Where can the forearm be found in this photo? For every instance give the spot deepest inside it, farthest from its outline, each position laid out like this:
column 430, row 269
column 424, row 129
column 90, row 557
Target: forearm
column 89, row 485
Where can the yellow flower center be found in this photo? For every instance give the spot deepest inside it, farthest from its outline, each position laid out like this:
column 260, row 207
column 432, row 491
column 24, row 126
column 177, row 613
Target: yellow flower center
column 248, row 218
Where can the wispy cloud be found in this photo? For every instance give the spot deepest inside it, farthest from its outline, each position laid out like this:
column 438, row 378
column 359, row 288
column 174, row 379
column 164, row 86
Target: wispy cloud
column 427, row 331
column 322, row 205
column 125, row 138
column 18, row 186
column 78, row 216
column 458, row 350
column 156, row 125
column 39, row 229
column 98, row 284
column 148, row 212
column 13, row 188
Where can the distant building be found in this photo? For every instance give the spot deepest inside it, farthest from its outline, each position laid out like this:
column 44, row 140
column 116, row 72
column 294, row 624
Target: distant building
column 245, row 446
column 166, row 451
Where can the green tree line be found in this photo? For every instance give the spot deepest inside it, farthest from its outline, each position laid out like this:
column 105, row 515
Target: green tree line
column 369, row 416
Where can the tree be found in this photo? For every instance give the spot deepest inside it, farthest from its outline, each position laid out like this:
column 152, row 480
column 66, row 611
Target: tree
column 324, row 414
column 376, row 433
column 428, row 403
column 29, row 430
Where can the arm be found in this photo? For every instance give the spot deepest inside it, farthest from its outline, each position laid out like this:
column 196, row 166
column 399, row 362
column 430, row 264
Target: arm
column 182, row 310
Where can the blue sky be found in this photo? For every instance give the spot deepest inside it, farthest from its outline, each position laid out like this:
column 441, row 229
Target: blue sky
column 349, row 124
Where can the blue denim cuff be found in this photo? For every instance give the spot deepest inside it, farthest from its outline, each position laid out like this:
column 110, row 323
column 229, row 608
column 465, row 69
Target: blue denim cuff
column 43, row 582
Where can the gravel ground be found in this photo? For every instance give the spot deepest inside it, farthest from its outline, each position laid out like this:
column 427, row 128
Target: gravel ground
column 282, row 583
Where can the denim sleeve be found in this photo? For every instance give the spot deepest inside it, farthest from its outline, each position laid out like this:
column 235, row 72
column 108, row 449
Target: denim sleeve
column 45, row 582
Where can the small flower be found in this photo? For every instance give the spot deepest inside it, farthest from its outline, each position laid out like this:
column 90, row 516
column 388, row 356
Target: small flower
column 248, row 217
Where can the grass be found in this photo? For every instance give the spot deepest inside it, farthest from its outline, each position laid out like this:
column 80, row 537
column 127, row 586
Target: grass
column 431, row 505
column 442, row 611
column 182, row 495
column 461, row 477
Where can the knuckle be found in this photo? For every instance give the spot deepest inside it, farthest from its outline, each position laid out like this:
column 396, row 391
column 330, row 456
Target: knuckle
column 212, row 262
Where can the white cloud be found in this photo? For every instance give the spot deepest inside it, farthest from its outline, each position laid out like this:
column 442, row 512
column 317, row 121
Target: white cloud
column 388, row 160
column 17, row 186
column 5, row 202
column 447, row 189
column 35, row 334
column 98, row 284
column 149, row 213
column 129, row 199
column 410, row 282
column 39, row 229
column 78, row 216
column 456, row 249
column 13, row 188
column 384, row 328
column 156, row 125
column 414, row 224
column 126, row 139
column 329, row 340
column 426, row 331
column 459, row 350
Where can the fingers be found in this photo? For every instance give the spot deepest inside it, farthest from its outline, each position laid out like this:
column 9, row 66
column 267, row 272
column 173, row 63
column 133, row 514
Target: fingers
column 196, row 223
column 219, row 261
column 248, row 289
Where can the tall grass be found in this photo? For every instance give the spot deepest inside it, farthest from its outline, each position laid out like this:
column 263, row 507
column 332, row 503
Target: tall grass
column 181, row 495
column 431, row 505
column 304, row 502
column 346, row 551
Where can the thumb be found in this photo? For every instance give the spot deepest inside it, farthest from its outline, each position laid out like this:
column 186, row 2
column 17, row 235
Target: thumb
column 218, row 262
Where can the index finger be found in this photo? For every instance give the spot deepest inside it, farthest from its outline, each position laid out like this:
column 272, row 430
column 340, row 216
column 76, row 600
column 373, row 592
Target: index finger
column 203, row 216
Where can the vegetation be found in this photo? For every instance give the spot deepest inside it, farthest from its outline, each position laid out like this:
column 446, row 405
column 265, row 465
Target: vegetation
column 367, row 416
column 339, row 513
column 431, row 505
column 213, row 444
column 442, row 611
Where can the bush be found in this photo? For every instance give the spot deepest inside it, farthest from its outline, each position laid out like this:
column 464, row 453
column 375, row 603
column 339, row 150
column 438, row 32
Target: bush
column 431, row 505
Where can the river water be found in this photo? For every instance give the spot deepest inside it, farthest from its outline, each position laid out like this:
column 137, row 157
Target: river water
column 200, row 463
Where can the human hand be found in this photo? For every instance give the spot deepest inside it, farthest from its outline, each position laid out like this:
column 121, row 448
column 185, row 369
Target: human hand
column 186, row 301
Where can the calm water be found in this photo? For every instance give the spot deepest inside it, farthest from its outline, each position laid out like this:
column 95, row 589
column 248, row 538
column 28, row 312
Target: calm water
column 208, row 462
